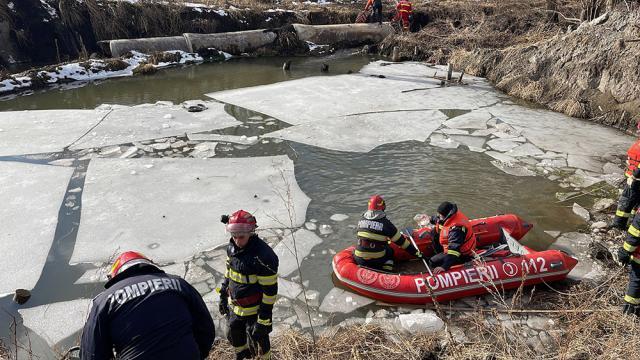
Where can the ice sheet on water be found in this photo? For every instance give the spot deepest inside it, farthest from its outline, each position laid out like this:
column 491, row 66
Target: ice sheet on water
column 170, row 210
column 584, row 162
column 288, row 289
column 175, row 269
column 91, row 276
column 204, row 150
column 450, row 132
column 339, row 217
column 43, row 131
column 151, row 121
column 473, row 120
column 243, row 140
column 557, row 132
column 501, row 145
column 339, row 300
column 442, row 141
column 287, row 249
column 56, row 322
column 474, row 142
column 512, row 168
column 363, row 133
column 318, row 98
column 31, row 197
column 525, row 150
column 413, row 71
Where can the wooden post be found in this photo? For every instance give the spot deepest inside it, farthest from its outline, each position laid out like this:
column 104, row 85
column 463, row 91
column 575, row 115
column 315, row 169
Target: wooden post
column 449, row 71
column 461, row 75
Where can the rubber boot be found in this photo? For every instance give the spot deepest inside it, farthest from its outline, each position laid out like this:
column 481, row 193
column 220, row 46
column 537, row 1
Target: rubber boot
column 630, row 309
column 620, row 223
column 244, row 354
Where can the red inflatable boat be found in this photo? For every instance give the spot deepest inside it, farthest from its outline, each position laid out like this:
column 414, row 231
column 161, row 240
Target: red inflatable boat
column 498, row 269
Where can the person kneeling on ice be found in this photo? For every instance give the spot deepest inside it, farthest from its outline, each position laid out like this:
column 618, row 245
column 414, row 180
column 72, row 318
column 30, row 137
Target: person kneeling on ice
column 457, row 242
column 250, row 286
column 375, row 231
column 146, row 314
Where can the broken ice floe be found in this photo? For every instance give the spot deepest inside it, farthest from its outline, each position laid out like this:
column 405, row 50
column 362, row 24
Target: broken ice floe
column 442, row 141
column 289, row 289
column 204, row 150
column 501, row 145
column 147, row 121
column 577, row 245
column 339, row 217
column 363, row 133
column 58, row 321
column 242, row 140
column 194, row 192
column 43, row 131
column 31, row 196
column 339, row 300
column 287, row 249
column 476, row 119
column 318, row 98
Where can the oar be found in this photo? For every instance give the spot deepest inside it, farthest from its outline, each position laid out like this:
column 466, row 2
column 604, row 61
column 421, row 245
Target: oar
column 408, row 233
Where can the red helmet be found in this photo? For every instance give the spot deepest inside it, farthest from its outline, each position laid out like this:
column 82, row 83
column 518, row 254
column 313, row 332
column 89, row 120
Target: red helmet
column 376, row 202
column 241, row 221
column 126, row 260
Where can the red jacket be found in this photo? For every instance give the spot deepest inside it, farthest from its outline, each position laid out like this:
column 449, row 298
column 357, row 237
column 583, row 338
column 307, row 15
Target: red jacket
column 456, row 235
column 633, row 158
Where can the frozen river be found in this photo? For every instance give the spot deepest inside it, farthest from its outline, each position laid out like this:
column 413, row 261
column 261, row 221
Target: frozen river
column 116, row 166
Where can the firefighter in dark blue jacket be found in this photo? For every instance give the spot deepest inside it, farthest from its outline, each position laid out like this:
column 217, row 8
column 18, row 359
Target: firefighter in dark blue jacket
column 146, row 314
column 250, row 286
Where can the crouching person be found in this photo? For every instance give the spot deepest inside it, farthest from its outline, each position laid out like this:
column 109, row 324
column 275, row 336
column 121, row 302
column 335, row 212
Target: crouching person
column 250, row 286
column 145, row 313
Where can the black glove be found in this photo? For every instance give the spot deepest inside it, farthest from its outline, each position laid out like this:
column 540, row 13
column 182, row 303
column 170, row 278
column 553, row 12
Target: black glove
column 624, row 256
column 260, row 332
column 223, row 308
column 224, row 219
column 433, row 219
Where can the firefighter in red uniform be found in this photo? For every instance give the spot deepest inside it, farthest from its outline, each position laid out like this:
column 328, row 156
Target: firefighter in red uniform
column 250, row 286
column 631, row 193
column 375, row 231
column 457, row 242
column 404, row 14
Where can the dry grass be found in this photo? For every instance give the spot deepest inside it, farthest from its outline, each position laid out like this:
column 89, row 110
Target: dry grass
column 498, row 332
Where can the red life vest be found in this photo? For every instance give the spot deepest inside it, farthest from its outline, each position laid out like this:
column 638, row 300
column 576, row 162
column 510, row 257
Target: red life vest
column 460, row 220
column 633, row 158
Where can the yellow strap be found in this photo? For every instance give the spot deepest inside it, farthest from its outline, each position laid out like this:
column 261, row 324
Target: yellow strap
column 372, row 236
column 369, row 255
column 241, row 278
column 628, row 247
column 621, row 213
column 632, row 300
column 268, row 299
column 405, row 244
column 634, row 231
column 264, row 322
column 242, row 311
column 453, row 252
column 268, row 280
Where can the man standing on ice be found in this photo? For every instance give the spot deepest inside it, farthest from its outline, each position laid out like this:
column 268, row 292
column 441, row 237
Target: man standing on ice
column 146, row 314
column 250, row 286
column 374, row 232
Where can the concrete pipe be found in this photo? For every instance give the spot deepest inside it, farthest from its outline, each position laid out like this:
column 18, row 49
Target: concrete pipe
column 347, row 34
column 148, row 45
column 234, row 43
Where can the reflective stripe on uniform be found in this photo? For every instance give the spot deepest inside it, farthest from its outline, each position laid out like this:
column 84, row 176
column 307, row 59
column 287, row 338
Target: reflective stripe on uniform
column 369, row 255
column 245, row 311
column 453, row 252
column 264, row 322
column 372, row 236
column 628, row 247
column 635, row 259
column 269, row 299
column 241, row 278
column 634, row 231
column 268, row 280
column 396, row 236
column 241, row 348
column 632, row 300
column 621, row 213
